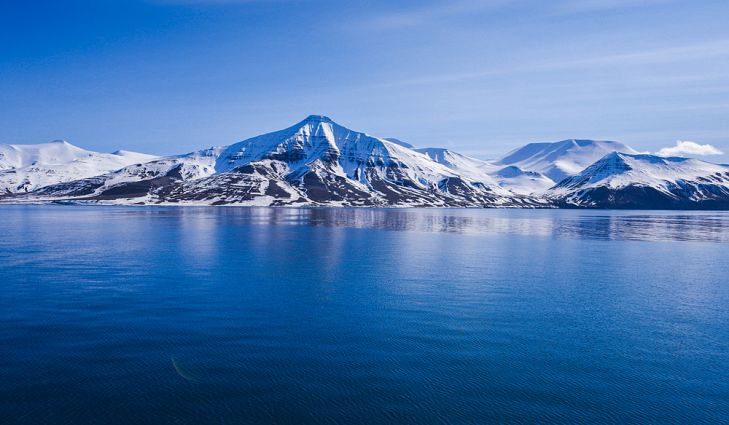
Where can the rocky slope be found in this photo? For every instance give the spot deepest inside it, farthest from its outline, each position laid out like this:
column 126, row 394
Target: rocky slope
column 314, row 162
column 646, row 182
column 318, row 162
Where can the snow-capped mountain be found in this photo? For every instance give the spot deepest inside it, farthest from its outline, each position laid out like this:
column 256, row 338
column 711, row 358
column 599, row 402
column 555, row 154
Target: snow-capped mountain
column 621, row 180
column 473, row 168
column 560, row 160
column 314, row 162
column 511, row 177
column 24, row 168
column 319, row 162
column 531, row 169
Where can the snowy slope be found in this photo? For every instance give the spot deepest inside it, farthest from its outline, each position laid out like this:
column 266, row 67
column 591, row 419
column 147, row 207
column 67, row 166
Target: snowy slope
column 319, row 162
column 314, row 162
column 646, row 181
column 465, row 165
column 318, row 142
column 318, row 138
column 523, row 182
column 511, row 178
column 399, row 142
column 24, row 168
column 559, row 160
column 531, row 169
column 137, row 179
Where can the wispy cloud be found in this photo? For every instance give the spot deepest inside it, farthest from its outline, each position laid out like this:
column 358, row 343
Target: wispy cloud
column 661, row 55
column 432, row 12
column 580, row 6
column 685, row 147
column 218, row 2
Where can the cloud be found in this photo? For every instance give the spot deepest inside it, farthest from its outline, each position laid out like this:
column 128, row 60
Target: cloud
column 685, row 147
column 217, row 2
column 432, row 12
column 663, row 55
column 578, row 6
column 711, row 49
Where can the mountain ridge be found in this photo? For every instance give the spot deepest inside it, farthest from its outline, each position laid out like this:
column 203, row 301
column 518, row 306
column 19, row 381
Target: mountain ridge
column 559, row 160
column 641, row 181
column 24, row 168
column 314, row 162
column 317, row 162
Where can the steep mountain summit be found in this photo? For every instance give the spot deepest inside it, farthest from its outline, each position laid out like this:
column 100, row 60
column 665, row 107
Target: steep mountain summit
column 317, row 137
column 314, row 162
column 318, row 162
column 318, row 141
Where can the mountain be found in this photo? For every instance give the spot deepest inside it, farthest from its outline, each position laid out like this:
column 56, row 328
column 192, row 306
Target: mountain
column 314, row 162
column 531, row 169
column 317, row 162
column 511, row 178
column 24, row 168
column 473, row 168
column 621, row 180
column 560, row 160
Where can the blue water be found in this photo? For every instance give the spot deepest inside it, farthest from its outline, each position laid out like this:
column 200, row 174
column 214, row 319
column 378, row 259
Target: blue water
column 233, row 315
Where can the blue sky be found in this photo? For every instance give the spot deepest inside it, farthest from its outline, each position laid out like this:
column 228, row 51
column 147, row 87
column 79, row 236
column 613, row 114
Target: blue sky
column 478, row 76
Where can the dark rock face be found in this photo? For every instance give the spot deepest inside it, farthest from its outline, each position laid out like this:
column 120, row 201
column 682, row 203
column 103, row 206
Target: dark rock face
column 623, row 181
column 648, row 198
column 84, row 187
column 134, row 189
column 321, row 187
column 318, row 162
column 332, row 188
column 272, row 183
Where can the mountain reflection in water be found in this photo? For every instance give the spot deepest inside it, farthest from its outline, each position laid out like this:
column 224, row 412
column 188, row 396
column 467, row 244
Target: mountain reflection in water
column 580, row 224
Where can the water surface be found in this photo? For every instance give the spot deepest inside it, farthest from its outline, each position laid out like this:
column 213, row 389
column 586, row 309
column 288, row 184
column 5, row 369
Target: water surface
column 121, row 315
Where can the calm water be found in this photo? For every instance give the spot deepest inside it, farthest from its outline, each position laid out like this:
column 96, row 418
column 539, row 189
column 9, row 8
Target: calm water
column 224, row 316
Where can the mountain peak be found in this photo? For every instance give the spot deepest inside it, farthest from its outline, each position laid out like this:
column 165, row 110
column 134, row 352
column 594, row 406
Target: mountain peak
column 512, row 171
column 319, row 162
column 616, row 161
column 317, row 119
column 620, row 180
column 60, row 142
column 562, row 159
column 585, row 142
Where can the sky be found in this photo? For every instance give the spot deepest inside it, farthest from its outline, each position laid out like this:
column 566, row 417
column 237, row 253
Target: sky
column 478, row 76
